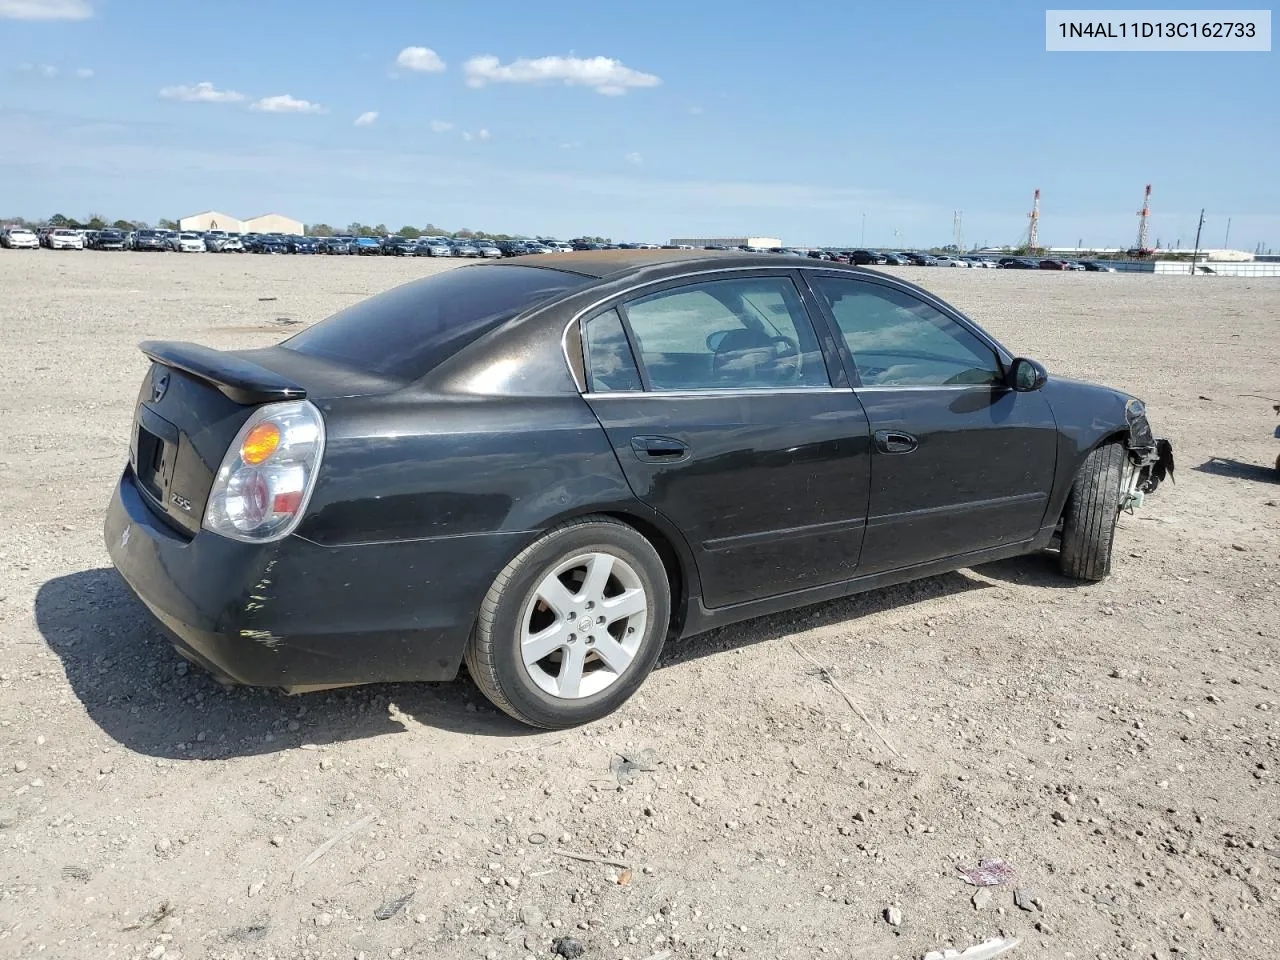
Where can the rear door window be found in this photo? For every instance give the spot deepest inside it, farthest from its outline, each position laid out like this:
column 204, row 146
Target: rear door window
column 407, row 331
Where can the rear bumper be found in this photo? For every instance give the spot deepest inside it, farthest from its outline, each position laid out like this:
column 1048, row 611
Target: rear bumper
column 295, row 612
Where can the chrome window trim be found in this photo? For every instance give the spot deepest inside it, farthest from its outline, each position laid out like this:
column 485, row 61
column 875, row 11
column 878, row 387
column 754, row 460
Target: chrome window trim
column 932, row 386
column 874, row 277
column 711, row 392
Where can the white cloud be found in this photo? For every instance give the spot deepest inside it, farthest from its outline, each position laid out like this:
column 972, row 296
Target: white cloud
column 634, row 159
column 367, row 118
column 422, row 59
column 283, row 103
column 49, row 71
column 695, row 110
column 441, row 126
column 204, row 92
column 603, row 74
column 466, row 135
column 571, row 145
column 84, row 73
column 484, row 134
column 45, row 9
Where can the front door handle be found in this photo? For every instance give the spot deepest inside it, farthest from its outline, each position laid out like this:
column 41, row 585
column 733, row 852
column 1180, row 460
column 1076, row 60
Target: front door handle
column 659, row 449
column 895, row 441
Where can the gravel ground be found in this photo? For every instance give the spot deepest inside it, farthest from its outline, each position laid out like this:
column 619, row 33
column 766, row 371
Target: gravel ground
column 1117, row 744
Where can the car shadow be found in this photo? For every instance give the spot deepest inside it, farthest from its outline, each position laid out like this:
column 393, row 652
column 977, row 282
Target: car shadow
column 1227, row 467
column 147, row 698
column 825, row 614
column 1032, row 570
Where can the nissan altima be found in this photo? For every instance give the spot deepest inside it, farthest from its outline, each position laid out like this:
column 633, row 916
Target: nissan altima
column 548, row 467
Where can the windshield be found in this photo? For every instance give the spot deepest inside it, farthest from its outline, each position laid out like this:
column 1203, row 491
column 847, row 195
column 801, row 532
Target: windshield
column 407, row 331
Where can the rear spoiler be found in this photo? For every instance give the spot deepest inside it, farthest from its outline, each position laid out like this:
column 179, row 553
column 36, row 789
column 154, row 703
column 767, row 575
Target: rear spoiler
column 241, row 380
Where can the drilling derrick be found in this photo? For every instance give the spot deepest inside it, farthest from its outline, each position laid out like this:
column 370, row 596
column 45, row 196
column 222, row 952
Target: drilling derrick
column 1144, row 219
column 1033, row 231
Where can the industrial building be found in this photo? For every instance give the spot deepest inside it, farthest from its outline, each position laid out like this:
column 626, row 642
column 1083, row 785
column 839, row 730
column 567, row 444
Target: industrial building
column 763, row 243
column 211, row 220
column 273, row 223
column 267, row 223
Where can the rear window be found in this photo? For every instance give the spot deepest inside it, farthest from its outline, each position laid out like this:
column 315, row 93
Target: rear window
column 407, row 331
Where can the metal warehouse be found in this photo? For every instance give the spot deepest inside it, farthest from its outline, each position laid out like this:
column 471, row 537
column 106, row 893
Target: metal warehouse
column 267, row 223
column 763, row 243
column 211, row 220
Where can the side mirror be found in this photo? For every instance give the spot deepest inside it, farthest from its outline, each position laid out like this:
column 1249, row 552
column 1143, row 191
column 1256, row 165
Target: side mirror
column 1026, row 375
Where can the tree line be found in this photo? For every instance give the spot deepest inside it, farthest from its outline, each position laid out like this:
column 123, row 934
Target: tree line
column 410, row 232
column 97, row 221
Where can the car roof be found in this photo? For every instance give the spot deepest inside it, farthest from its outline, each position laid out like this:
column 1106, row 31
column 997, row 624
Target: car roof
column 611, row 263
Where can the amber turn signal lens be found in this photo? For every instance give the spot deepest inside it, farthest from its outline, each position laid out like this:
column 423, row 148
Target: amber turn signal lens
column 261, row 443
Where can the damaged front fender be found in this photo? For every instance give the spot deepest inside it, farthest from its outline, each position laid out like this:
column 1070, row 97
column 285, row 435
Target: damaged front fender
column 1151, row 456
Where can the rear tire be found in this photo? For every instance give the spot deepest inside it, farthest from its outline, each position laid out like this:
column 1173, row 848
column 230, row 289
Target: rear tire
column 1089, row 522
column 573, row 625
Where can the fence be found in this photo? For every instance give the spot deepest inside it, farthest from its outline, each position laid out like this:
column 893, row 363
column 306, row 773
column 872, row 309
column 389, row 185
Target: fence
column 1215, row 268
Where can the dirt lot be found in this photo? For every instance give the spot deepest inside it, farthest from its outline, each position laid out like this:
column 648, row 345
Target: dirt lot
column 1117, row 744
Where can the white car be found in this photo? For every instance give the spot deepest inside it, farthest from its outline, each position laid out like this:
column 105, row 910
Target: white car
column 20, row 238
column 65, row 240
column 946, row 261
column 188, row 243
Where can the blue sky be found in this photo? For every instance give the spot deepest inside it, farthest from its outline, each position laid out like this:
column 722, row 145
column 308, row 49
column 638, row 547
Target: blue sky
column 708, row 118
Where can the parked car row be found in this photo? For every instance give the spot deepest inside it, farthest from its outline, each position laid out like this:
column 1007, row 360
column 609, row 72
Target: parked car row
column 1026, row 263
column 20, row 238
column 220, row 241
column 971, row 261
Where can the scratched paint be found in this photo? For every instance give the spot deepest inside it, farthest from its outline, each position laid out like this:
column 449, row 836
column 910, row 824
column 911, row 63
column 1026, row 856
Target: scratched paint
column 265, row 637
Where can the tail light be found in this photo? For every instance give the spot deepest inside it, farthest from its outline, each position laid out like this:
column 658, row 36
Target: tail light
column 266, row 477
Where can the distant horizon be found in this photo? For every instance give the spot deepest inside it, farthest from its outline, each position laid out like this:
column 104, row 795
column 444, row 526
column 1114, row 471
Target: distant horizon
column 341, row 229
column 968, row 247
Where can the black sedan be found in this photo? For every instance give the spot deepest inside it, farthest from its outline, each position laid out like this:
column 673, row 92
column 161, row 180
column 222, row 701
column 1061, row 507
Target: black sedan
column 1017, row 263
column 398, row 246
column 109, row 240
column 297, row 244
column 337, row 246
column 548, row 466
column 867, row 258
column 270, row 243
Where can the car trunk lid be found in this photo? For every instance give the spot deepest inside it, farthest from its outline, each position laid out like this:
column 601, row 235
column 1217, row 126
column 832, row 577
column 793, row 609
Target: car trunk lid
column 195, row 399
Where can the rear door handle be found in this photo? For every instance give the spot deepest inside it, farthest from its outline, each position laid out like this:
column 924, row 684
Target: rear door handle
column 659, row 449
column 895, row 441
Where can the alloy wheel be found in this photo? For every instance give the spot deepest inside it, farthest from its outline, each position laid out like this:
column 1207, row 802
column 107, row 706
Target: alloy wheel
column 582, row 625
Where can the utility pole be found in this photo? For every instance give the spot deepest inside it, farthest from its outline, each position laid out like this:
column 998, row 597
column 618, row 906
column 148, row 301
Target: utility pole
column 1226, row 241
column 1196, row 252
